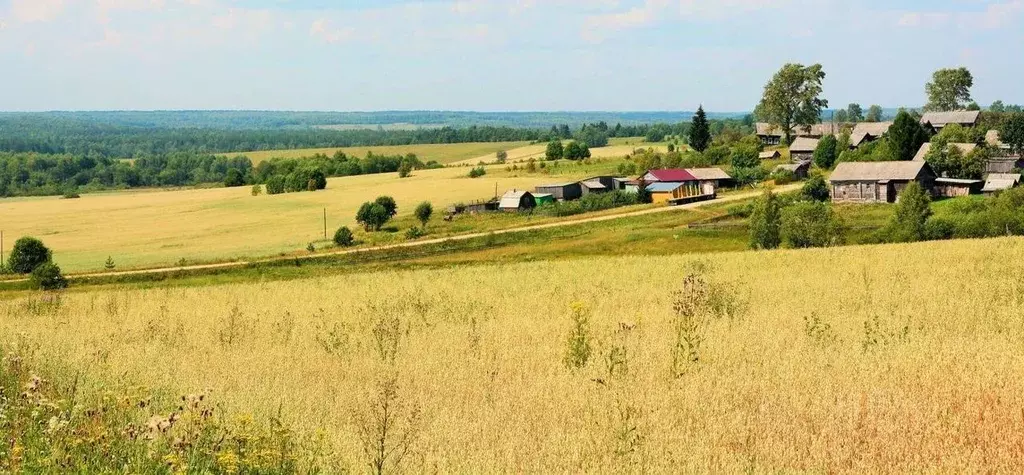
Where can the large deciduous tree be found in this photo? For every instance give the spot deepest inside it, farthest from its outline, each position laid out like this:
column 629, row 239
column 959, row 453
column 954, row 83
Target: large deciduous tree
column 949, row 90
column 874, row 114
column 1012, row 133
column 792, row 98
column 854, row 113
column 906, row 136
column 700, row 131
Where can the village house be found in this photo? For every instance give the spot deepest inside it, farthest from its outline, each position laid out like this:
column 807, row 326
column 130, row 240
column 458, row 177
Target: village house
column 939, row 120
column 965, row 148
column 516, row 200
column 675, row 175
column 867, row 132
column 996, row 182
column 670, row 192
column 710, row 179
column 598, row 184
column 800, row 169
column 802, row 149
column 954, row 187
column 877, row 182
column 561, row 191
column 770, row 155
column 772, row 135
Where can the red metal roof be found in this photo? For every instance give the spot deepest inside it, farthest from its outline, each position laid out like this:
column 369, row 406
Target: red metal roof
column 672, row 174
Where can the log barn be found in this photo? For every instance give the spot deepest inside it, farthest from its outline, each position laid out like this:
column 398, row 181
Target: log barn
column 878, row 182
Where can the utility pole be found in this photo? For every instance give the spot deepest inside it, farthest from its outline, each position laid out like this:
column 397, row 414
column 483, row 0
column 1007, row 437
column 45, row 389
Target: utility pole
column 1, row 248
column 325, row 224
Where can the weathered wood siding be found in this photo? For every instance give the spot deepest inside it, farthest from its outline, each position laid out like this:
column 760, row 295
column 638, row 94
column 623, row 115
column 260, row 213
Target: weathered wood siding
column 860, row 192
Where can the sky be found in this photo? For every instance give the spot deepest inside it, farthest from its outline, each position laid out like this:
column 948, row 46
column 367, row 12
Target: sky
column 493, row 55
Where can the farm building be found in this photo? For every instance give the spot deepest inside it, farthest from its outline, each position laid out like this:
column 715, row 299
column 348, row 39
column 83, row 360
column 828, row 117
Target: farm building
column 676, row 175
column 772, row 135
column 800, row 170
column 926, row 147
column 598, row 184
column 517, row 201
column 996, row 182
column 668, row 191
column 953, row 187
column 867, row 132
column 710, row 179
column 802, row 149
column 561, row 191
column 939, row 120
column 621, row 183
column 992, row 138
column 770, row 155
column 879, row 182
column 1003, row 164
column 543, row 198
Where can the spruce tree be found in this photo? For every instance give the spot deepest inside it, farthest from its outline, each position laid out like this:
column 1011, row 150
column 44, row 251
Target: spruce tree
column 700, row 132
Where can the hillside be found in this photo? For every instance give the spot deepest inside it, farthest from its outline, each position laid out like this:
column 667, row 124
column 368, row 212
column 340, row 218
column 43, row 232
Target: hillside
column 858, row 359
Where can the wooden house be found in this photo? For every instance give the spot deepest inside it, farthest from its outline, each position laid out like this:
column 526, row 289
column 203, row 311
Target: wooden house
column 800, row 170
column 598, row 184
column 516, row 200
column 867, row 132
column 670, row 192
column 710, row 179
column 997, row 182
column 772, row 135
column 939, row 120
column 953, row 187
column 802, row 149
column 770, row 155
column 965, row 148
column 878, row 182
column 675, row 175
column 561, row 191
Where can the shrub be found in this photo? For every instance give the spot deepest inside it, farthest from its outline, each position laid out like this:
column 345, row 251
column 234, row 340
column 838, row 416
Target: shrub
column 109, row 265
column 234, row 178
column 747, row 176
column 414, row 233
column 319, row 178
column 912, row 212
column 815, row 188
column 372, row 216
column 405, row 170
column 389, row 204
column 343, row 237
column 765, row 222
column 745, row 157
column 554, row 150
column 296, row 181
column 937, row 228
column 257, row 189
column 423, row 212
column 47, row 276
column 501, row 156
column 27, row 254
column 826, row 153
column 590, row 203
column 783, row 176
column 478, row 172
column 275, row 185
column 577, row 345
column 811, row 224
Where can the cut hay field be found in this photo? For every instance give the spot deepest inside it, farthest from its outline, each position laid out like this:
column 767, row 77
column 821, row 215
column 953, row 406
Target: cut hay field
column 442, row 153
column 617, row 148
column 150, row 228
column 901, row 358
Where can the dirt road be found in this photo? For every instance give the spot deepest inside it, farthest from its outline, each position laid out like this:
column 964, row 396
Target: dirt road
column 426, row 242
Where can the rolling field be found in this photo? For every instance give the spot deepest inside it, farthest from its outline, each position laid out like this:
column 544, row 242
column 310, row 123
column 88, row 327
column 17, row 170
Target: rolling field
column 147, row 228
column 617, row 148
column 901, row 358
column 442, row 153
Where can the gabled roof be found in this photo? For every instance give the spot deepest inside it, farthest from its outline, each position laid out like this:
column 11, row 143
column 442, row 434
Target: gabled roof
column 557, row 185
column 957, row 181
column 671, row 174
column 858, row 138
column 794, row 167
column 878, row 171
column 768, row 155
column 593, row 185
column 992, row 185
column 926, row 147
column 1004, row 176
column 803, row 145
column 709, row 173
column 663, row 187
column 511, row 199
column 941, row 119
column 874, row 129
column 815, row 130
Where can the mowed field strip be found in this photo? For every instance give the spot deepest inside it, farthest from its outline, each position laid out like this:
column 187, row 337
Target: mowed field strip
column 824, row 361
column 159, row 228
column 617, row 148
column 442, row 153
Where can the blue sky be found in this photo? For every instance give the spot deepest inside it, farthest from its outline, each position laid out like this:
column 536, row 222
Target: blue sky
column 493, row 55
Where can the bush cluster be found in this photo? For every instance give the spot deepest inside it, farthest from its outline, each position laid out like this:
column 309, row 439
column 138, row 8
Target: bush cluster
column 590, row 203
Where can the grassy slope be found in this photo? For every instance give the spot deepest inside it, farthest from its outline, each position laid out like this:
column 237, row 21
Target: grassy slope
column 832, row 360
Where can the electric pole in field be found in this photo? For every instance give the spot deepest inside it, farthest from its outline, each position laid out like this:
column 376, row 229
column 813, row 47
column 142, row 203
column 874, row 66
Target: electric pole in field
column 325, row 224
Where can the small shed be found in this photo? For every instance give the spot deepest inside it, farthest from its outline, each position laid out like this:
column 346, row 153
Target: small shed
column 543, row 198
column 598, row 184
column 516, row 200
column 770, row 155
column 878, row 182
column 953, row 187
column 996, row 182
column 800, row 170
column 802, row 149
column 561, row 191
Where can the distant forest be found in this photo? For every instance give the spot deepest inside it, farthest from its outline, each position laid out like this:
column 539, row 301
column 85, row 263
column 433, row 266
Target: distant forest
column 61, row 153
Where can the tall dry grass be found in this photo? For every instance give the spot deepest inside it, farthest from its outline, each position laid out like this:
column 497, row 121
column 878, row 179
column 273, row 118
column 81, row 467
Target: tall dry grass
column 859, row 359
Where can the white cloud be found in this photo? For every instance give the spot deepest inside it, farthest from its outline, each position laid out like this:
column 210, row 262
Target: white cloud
column 29, row 11
column 994, row 16
column 597, row 27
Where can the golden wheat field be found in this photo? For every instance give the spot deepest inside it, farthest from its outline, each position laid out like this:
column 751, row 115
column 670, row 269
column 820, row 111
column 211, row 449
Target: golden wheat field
column 617, row 148
column 442, row 153
column 146, row 228
column 901, row 358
